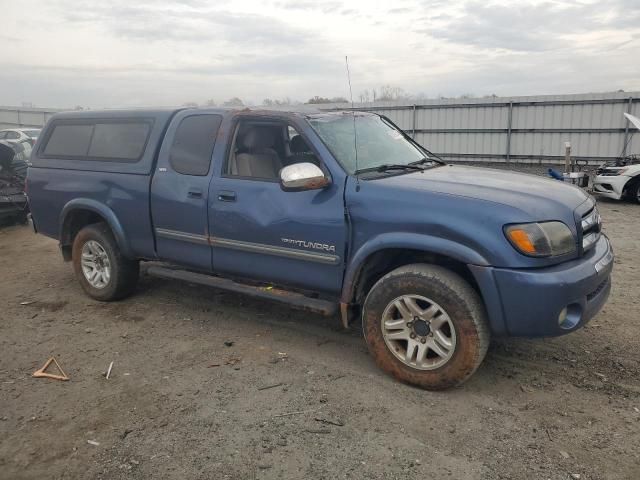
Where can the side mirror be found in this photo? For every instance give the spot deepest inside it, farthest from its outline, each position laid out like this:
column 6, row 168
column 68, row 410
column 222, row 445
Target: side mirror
column 302, row 176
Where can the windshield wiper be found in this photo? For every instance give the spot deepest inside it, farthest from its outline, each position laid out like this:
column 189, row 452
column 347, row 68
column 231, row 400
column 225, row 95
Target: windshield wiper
column 391, row 166
column 422, row 161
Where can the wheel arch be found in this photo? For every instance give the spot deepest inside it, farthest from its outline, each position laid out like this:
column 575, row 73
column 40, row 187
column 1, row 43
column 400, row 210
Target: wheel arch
column 79, row 213
column 387, row 252
column 632, row 182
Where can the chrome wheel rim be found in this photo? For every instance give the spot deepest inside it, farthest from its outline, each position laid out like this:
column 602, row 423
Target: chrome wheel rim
column 418, row 332
column 96, row 266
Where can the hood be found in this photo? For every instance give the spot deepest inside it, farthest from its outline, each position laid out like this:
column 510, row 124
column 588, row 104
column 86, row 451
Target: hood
column 538, row 196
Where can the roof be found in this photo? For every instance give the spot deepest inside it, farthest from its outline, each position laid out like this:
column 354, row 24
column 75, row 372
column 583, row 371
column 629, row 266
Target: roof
column 297, row 110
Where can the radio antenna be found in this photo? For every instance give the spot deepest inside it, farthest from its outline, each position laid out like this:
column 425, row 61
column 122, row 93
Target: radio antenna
column 353, row 115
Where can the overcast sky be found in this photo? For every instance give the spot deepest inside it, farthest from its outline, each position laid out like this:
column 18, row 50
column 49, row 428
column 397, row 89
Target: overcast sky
column 62, row 53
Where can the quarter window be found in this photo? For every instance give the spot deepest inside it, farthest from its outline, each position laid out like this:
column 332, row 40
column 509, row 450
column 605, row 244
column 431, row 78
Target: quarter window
column 193, row 144
column 119, row 140
column 116, row 141
column 69, row 141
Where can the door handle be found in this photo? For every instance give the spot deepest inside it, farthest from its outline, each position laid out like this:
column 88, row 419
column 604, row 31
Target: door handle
column 226, row 196
column 194, row 193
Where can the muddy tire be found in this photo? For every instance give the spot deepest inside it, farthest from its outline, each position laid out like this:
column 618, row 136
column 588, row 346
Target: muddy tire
column 426, row 326
column 102, row 271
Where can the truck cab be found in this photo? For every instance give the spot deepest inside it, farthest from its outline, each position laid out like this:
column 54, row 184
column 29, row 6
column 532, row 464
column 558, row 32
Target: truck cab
column 328, row 211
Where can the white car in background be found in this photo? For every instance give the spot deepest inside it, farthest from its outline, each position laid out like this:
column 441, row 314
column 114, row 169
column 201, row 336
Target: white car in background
column 621, row 178
column 16, row 135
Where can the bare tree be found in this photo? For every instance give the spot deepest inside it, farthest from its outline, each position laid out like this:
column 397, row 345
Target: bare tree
column 316, row 100
column 390, row 93
column 364, row 96
column 233, row 102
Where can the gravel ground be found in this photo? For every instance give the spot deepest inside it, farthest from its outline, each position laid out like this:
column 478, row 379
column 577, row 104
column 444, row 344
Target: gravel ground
column 211, row 385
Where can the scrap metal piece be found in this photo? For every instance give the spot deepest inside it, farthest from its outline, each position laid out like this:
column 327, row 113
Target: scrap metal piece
column 109, row 370
column 41, row 373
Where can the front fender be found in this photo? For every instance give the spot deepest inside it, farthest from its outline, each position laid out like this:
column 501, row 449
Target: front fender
column 105, row 212
column 410, row 241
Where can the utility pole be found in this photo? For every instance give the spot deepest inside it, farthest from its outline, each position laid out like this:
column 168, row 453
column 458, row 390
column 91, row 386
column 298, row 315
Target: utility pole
column 567, row 157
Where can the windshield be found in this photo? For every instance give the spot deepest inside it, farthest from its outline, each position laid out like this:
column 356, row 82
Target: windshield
column 378, row 142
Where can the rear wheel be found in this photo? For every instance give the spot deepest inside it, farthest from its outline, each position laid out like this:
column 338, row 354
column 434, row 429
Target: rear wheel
column 426, row 326
column 102, row 271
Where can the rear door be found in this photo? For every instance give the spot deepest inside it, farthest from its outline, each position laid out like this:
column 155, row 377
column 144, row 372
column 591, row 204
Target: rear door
column 180, row 188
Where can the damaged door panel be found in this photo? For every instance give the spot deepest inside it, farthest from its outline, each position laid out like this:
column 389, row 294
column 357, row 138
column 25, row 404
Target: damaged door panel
column 260, row 231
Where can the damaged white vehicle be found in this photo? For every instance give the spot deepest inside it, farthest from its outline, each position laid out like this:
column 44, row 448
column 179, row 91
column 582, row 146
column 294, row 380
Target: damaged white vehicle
column 620, row 178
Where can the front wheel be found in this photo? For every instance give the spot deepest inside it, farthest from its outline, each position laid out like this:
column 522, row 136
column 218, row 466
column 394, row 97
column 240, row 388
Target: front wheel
column 633, row 192
column 102, row 271
column 426, row 326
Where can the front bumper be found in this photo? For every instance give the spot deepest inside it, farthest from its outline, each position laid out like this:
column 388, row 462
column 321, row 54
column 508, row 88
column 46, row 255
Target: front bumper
column 610, row 186
column 531, row 300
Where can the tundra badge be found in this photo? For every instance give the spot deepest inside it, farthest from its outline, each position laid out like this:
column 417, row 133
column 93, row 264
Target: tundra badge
column 314, row 245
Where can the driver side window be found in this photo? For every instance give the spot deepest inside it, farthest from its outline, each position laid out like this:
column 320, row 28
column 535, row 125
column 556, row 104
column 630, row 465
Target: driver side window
column 299, row 149
column 257, row 151
column 262, row 148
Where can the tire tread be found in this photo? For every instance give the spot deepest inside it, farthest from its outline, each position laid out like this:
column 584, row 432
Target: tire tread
column 125, row 272
column 441, row 278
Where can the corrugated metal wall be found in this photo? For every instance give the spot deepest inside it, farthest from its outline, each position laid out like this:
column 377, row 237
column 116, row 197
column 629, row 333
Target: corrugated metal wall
column 17, row 117
column 520, row 129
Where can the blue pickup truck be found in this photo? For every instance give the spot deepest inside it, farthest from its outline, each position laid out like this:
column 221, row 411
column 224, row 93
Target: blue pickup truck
column 328, row 211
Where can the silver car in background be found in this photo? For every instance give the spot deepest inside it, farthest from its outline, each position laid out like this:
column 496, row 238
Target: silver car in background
column 18, row 135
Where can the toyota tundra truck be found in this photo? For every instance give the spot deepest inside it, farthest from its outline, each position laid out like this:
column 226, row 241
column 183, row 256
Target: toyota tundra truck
column 340, row 213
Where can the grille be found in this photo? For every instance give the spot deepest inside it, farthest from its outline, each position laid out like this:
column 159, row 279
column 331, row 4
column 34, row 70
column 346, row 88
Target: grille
column 591, row 228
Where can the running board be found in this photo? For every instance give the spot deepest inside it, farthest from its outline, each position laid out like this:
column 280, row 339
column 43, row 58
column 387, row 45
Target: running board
column 294, row 299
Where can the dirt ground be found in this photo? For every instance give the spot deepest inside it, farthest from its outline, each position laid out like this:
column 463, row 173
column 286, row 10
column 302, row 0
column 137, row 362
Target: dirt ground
column 180, row 403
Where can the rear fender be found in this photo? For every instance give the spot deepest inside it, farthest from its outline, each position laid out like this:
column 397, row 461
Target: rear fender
column 105, row 212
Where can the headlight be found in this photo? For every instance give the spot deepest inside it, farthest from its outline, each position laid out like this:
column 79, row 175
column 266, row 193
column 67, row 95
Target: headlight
column 612, row 172
column 545, row 239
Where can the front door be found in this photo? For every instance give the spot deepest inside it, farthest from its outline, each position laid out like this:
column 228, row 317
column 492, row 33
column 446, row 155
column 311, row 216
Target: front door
column 180, row 189
column 259, row 231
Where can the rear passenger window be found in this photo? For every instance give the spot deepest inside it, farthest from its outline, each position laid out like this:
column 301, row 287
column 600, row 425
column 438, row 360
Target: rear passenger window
column 193, row 144
column 116, row 141
column 119, row 140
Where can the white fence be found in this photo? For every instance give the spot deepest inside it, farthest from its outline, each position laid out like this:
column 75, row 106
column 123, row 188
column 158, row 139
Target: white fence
column 517, row 129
